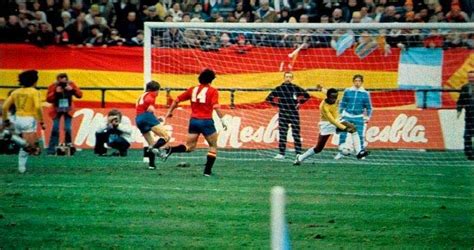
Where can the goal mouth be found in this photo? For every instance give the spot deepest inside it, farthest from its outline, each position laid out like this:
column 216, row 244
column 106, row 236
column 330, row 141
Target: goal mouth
column 413, row 72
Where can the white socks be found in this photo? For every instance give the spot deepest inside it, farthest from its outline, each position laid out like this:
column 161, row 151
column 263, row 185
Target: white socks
column 307, row 154
column 22, row 159
column 356, row 142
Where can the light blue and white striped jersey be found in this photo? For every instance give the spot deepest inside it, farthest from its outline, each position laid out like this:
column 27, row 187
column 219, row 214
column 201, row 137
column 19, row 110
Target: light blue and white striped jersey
column 354, row 102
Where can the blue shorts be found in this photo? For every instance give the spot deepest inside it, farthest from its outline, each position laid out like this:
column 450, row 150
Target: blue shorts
column 198, row 126
column 145, row 121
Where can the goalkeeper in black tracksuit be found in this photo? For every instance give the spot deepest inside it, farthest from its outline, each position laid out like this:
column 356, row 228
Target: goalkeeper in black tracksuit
column 466, row 102
column 288, row 97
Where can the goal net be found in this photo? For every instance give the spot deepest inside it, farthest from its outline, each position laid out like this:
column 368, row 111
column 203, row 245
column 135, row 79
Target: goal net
column 412, row 71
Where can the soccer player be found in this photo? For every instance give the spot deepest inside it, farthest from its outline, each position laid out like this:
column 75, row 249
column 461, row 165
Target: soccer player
column 204, row 99
column 329, row 125
column 28, row 112
column 466, row 102
column 288, row 97
column 147, row 122
column 356, row 108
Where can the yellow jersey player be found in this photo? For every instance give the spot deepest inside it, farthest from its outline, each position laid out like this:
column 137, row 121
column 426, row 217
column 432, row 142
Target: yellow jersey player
column 330, row 124
column 28, row 112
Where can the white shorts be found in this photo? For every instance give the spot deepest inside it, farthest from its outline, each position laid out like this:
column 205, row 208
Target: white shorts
column 326, row 128
column 25, row 124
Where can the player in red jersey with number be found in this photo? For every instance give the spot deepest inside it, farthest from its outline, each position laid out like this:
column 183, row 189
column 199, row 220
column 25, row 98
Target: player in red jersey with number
column 204, row 99
column 147, row 122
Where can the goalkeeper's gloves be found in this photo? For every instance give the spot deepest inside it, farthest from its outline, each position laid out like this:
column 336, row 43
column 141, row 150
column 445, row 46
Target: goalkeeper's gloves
column 350, row 128
column 224, row 124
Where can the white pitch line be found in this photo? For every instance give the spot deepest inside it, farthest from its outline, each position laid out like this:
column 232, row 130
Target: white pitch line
column 420, row 196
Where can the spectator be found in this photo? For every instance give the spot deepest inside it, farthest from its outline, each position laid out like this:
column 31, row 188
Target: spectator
column 60, row 94
column 78, row 30
column 66, row 19
column 130, row 27
column 466, row 102
column 122, row 9
column 95, row 37
column 115, row 39
column 107, row 11
column 193, row 37
column 284, row 16
column 456, row 15
column 226, row 8
column 364, row 15
column 113, row 132
column 288, row 97
column 390, row 15
column 239, row 11
column 138, row 39
column 378, row 13
column 188, row 5
column 14, row 32
column 176, row 12
column 197, row 12
column 152, row 15
column 61, row 36
column 173, row 38
column 433, row 40
column 356, row 17
column 337, row 16
column 45, row 35
column 266, row 13
column 3, row 29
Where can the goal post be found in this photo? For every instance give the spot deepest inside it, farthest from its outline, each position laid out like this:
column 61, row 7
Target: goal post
column 412, row 71
column 278, row 227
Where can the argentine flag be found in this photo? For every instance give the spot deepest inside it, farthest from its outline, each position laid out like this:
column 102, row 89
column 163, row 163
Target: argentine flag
column 421, row 68
column 344, row 42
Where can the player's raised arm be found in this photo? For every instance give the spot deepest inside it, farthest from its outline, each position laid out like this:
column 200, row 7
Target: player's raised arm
column 172, row 107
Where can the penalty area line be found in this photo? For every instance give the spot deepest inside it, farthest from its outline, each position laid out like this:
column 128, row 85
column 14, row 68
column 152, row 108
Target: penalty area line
column 250, row 191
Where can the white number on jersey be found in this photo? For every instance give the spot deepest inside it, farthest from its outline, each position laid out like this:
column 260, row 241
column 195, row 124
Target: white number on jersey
column 201, row 96
column 141, row 99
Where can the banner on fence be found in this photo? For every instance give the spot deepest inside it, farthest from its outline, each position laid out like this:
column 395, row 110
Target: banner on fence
column 396, row 129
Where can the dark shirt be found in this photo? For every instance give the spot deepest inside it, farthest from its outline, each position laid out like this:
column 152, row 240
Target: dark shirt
column 466, row 101
column 287, row 96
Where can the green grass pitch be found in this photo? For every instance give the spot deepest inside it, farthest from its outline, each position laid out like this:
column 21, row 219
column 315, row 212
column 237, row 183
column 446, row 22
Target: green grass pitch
column 86, row 201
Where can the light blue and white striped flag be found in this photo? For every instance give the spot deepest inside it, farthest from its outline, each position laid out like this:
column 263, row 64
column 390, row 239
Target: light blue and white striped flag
column 344, row 42
column 421, row 68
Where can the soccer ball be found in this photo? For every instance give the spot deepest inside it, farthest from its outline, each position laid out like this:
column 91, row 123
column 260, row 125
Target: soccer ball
column 345, row 149
column 183, row 164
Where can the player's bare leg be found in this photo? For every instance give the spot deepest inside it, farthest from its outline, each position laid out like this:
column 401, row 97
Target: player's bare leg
column 211, row 154
column 155, row 146
column 160, row 131
column 190, row 145
column 322, row 139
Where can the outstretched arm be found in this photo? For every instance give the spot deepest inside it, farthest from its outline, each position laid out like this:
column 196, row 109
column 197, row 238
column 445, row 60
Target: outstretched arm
column 173, row 106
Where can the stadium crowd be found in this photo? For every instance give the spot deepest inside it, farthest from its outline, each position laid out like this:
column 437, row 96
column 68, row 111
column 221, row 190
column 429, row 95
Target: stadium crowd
column 120, row 22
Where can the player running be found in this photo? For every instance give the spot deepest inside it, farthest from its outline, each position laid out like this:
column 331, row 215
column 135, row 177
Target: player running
column 147, row 122
column 28, row 112
column 329, row 125
column 204, row 99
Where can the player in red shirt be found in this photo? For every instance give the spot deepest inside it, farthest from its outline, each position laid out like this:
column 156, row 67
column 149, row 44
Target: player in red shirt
column 147, row 122
column 204, row 99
